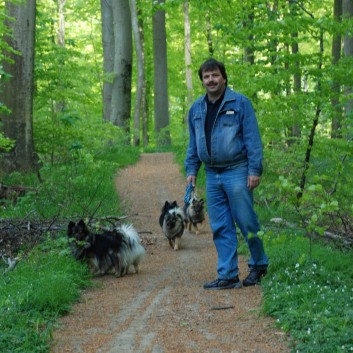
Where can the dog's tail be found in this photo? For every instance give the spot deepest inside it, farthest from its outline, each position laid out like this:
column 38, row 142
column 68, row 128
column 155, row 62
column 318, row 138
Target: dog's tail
column 135, row 251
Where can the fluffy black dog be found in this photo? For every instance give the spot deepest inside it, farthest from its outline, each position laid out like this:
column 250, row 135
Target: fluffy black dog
column 172, row 220
column 111, row 251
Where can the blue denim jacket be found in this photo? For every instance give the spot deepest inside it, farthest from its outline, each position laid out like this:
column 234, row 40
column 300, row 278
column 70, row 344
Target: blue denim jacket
column 235, row 139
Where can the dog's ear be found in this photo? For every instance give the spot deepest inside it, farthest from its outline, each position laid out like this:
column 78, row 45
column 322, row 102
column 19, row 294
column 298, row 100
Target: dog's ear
column 70, row 229
column 165, row 207
column 82, row 228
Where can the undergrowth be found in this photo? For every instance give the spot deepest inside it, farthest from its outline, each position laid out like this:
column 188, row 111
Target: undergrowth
column 309, row 290
column 40, row 289
column 309, row 285
column 47, row 279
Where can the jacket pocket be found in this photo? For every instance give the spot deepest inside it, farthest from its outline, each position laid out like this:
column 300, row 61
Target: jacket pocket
column 230, row 118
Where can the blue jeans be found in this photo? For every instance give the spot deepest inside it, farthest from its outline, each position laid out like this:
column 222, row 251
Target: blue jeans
column 230, row 202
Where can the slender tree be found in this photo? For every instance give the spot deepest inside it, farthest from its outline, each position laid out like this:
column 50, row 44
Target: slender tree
column 348, row 54
column 145, row 88
column 60, row 104
column 187, row 50
column 117, row 62
column 140, row 89
column 121, row 91
column 249, row 55
column 273, row 41
column 209, row 34
column 294, row 130
column 336, row 87
column 161, row 103
column 17, row 91
column 108, row 56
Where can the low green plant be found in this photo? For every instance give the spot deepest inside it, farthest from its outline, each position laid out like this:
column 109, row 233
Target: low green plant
column 47, row 279
column 309, row 286
column 310, row 294
column 33, row 295
column 82, row 187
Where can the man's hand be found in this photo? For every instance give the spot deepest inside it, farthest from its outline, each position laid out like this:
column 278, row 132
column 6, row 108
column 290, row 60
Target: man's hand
column 191, row 179
column 253, row 181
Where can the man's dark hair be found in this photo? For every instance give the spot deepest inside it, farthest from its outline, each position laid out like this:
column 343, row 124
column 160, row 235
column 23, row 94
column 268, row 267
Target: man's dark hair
column 213, row 64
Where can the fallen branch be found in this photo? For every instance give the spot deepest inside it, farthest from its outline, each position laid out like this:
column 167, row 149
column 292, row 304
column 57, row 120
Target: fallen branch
column 222, row 307
column 345, row 240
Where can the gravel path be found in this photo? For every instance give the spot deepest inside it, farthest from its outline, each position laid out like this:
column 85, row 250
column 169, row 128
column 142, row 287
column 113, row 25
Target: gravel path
column 163, row 308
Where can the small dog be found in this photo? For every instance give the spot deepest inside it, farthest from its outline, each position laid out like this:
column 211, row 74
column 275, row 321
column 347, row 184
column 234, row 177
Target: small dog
column 195, row 213
column 172, row 220
column 111, row 251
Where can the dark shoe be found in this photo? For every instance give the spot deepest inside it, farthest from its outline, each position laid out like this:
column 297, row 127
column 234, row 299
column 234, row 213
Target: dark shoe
column 223, row 284
column 254, row 277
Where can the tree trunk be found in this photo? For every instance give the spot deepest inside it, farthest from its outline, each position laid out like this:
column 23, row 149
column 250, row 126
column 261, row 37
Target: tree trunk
column 336, row 87
column 144, row 103
column 17, row 92
column 273, row 42
column 140, row 73
column 249, row 56
column 294, row 130
column 108, row 57
column 347, row 7
column 60, row 104
column 209, row 34
column 121, row 94
column 188, row 71
column 161, row 105
column 61, row 27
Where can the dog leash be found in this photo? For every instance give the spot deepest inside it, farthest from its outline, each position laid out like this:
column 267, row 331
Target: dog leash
column 188, row 193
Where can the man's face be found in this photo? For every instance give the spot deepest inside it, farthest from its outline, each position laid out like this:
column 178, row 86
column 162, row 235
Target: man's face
column 214, row 82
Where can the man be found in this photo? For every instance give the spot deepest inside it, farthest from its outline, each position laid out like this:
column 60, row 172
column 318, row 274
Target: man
column 224, row 135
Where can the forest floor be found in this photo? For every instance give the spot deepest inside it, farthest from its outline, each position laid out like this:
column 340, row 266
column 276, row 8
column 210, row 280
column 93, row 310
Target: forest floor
column 164, row 308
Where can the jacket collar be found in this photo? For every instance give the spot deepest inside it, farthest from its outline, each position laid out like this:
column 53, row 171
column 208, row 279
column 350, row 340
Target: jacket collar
column 229, row 95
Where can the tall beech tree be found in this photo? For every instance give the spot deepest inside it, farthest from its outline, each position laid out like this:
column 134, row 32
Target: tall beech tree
column 117, row 62
column 141, row 84
column 108, row 56
column 187, row 50
column 347, row 9
column 161, row 100
column 336, row 87
column 295, row 129
column 121, row 92
column 16, row 92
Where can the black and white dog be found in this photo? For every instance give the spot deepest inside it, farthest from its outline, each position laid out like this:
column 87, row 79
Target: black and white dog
column 110, row 251
column 172, row 220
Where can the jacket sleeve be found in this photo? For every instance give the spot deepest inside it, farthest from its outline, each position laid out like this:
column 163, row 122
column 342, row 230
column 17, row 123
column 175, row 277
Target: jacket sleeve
column 252, row 138
column 192, row 162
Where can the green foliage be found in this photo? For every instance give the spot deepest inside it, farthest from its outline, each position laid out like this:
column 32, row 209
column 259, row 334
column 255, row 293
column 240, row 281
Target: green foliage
column 5, row 143
column 80, row 153
column 311, row 297
column 47, row 280
column 35, row 293
column 309, row 287
column 326, row 201
column 84, row 186
column 67, row 105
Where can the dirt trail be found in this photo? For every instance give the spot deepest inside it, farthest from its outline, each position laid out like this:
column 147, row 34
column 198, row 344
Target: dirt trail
column 164, row 309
